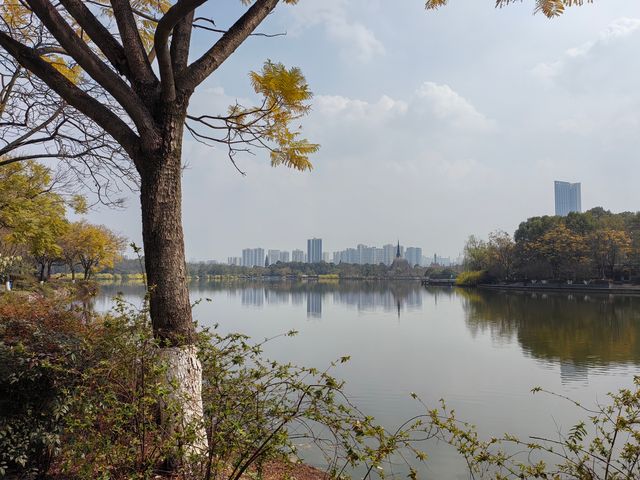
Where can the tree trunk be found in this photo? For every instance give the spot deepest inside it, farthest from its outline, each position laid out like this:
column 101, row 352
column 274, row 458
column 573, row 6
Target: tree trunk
column 170, row 307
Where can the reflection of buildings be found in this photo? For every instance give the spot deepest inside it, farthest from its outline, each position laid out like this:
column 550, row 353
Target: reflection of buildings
column 388, row 297
column 252, row 297
column 297, row 297
column 314, row 304
column 276, row 297
column 573, row 373
column 387, row 300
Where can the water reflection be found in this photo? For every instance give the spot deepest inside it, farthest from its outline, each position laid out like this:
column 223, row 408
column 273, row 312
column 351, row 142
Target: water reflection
column 575, row 334
column 580, row 332
column 364, row 296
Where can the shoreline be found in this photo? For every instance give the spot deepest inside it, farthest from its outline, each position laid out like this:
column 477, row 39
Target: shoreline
column 611, row 290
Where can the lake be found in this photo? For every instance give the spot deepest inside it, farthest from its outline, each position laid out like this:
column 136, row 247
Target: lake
column 482, row 351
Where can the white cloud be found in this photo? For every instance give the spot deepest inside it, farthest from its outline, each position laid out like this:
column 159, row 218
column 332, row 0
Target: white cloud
column 354, row 109
column 449, row 106
column 355, row 39
column 607, row 38
column 431, row 104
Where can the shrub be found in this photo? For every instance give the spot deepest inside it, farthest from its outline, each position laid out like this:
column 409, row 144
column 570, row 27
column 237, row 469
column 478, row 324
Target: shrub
column 472, row 278
column 41, row 344
column 80, row 400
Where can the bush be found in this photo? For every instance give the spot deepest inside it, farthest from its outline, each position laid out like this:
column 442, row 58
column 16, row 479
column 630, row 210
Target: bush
column 80, row 399
column 41, row 344
column 472, row 278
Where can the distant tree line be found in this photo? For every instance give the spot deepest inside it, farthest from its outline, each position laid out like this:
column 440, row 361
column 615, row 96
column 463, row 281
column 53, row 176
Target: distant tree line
column 596, row 244
column 279, row 269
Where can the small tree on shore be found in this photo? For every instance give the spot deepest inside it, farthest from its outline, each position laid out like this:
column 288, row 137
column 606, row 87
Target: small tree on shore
column 94, row 246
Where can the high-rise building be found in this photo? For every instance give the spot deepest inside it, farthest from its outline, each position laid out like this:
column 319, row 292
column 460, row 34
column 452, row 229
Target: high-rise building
column 234, row 261
column 389, row 253
column 284, row 257
column 326, row 257
column 273, row 256
column 297, row 256
column 314, row 250
column 568, row 198
column 252, row 257
column 413, row 255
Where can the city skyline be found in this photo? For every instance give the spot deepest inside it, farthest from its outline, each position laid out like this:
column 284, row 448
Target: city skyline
column 431, row 153
column 362, row 254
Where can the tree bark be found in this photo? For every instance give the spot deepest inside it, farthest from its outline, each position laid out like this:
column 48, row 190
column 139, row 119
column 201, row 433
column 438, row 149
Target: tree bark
column 170, row 307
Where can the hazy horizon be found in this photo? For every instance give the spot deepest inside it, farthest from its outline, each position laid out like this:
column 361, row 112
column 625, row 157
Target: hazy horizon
column 458, row 123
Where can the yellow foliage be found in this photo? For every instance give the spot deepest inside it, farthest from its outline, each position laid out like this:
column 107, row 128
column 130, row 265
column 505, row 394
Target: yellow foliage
column 13, row 13
column 549, row 8
column 72, row 71
column 285, row 92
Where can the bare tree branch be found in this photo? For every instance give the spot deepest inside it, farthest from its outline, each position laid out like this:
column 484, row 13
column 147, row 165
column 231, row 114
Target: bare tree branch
column 100, row 35
column 199, row 70
column 130, row 36
column 72, row 94
column 89, row 61
column 174, row 15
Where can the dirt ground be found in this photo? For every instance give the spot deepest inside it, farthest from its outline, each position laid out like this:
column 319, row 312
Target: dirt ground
column 280, row 471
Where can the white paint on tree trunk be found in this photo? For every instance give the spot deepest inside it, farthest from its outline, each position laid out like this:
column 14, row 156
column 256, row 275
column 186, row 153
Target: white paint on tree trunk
column 184, row 374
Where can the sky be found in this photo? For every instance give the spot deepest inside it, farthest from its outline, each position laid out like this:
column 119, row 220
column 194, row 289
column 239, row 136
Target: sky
column 433, row 125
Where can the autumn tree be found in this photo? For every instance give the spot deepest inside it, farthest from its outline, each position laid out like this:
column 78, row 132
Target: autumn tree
column 91, row 247
column 502, row 250
column 71, row 246
column 33, row 212
column 97, row 247
column 608, row 247
column 477, row 254
column 111, row 48
column 562, row 249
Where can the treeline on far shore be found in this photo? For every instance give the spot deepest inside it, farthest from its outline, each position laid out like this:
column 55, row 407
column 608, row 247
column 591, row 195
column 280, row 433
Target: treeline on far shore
column 130, row 268
column 594, row 245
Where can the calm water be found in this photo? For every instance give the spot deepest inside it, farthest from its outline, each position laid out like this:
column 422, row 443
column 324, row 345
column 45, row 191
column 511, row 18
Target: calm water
column 481, row 351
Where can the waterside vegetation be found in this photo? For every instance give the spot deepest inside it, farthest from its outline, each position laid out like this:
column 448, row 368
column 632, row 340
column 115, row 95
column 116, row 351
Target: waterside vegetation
column 596, row 245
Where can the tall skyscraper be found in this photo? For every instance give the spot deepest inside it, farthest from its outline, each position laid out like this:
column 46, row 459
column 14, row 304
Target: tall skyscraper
column 568, row 198
column 314, row 250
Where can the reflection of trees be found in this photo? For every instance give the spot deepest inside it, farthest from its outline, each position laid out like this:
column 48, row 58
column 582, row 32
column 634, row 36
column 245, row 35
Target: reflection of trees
column 592, row 329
